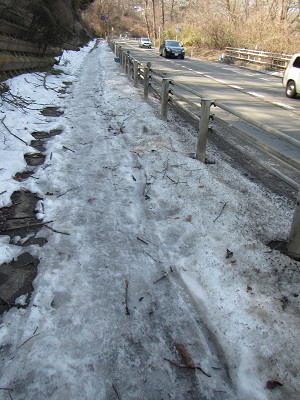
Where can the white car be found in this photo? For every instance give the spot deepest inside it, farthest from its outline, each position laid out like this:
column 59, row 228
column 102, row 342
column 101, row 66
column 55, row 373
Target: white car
column 291, row 78
column 145, row 42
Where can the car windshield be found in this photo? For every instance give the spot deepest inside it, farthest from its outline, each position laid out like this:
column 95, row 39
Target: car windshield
column 145, row 39
column 172, row 43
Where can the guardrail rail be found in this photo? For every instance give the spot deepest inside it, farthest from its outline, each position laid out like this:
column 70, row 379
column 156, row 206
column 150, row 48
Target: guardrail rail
column 263, row 59
column 172, row 93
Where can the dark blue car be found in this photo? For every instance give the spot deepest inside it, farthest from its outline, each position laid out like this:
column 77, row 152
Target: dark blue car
column 171, row 48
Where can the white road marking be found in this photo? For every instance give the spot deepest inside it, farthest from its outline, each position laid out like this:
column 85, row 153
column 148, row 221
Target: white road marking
column 256, row 94
column 284, row 105
column 236, row 87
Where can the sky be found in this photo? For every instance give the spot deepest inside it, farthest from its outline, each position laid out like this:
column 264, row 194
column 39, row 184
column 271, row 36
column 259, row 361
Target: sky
column 156, row 281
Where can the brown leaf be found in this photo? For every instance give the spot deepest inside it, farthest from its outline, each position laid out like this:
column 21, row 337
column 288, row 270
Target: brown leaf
column 249, row 289
column 189, row 218
column 184, row 356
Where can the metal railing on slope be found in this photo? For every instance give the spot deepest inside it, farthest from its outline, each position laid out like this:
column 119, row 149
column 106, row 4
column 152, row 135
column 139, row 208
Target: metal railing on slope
column 265, row 59
column 148, row 76
column 172, row 92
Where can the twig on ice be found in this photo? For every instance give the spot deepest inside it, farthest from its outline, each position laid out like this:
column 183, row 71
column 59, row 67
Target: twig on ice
column 164, row 276
column 8, row 389
column 141, row 240
column 126, row 297
column 54, row 230
column 224, row 205
column 8, row 130
column 28, row 339
column 62, row 194
column 117, row 394
column 67, row 148
column 186, row 360
column 187, row 366
column 26, row 226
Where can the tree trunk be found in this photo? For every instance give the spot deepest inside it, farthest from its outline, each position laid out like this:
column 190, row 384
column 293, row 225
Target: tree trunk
column 154, row 20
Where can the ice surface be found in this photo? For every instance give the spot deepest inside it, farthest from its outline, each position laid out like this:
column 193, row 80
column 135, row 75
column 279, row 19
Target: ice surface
column 130, row 206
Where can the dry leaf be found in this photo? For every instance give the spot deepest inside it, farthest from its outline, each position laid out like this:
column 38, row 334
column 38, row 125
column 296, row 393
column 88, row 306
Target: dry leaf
column 229, row 254
column 189, row 218
column 185, row 357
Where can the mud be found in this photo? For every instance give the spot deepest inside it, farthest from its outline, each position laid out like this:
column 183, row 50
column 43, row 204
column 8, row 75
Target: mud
column 16, row 280
column 19, row 222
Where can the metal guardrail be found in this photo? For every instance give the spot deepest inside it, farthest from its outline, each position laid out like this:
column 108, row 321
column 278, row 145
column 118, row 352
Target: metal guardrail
column 268, row 60
column 151, row 78
column 175, row 93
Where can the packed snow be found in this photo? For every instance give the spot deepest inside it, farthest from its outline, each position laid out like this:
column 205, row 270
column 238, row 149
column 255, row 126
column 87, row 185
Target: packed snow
column 156, row 281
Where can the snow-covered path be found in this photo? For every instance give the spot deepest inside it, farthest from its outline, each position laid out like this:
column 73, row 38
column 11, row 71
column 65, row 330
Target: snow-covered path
column 134, row 283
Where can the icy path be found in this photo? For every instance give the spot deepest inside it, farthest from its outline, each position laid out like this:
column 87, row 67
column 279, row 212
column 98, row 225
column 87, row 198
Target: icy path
column 136, row 266
column 120, row 230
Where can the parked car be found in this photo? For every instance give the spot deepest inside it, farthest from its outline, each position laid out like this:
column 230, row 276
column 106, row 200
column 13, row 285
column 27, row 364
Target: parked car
column 145, row 42
column 171, row 48
column 291, row 77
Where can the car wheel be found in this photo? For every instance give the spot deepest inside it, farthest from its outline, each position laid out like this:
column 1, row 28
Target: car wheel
column 182, row 57
column 165, row 54
column 290, row 90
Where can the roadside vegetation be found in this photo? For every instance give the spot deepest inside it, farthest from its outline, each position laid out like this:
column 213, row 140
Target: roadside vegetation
column 201, row 25
column 269, row 25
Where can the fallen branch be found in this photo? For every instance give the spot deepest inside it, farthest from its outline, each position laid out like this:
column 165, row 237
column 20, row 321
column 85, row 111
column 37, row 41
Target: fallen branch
column 54, row 230
column 67, row 148
column 166, row 168
column 117, row 394
column 143, row 241
column 224, row 205
column 8, row 389
column 28, row 339
column 8, row 130
column 151, row 256
column 60, row 195
column 160, row 279
column 26, row 226
column 187, row 366
column 186, row 360
column 126, row 297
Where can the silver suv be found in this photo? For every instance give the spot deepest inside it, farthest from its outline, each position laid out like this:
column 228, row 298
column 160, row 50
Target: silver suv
column 145, row 42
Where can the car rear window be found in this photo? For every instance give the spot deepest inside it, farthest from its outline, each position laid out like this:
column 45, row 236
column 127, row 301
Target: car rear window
column 296, row 63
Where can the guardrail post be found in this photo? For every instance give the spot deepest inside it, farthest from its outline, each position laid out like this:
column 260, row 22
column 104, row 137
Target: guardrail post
column 165, row 98
column 127, row 62
column 293, row 244
column 135, row 73
column 203, row 129
column 146, row 81
column 123, row 59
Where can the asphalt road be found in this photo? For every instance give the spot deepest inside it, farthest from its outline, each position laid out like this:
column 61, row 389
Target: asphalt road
column 257, row 95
